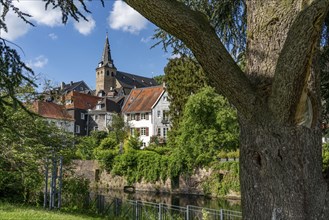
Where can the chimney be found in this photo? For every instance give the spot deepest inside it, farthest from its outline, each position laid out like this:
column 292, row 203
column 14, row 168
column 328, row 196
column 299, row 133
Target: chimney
column 164, row 84
column 62, row 85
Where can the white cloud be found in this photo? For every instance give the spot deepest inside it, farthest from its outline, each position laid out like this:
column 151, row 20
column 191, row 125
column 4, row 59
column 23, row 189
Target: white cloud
column 123, row 17
column 38, row 62
column 53, row 36
column 51, row 17
column 85, row 27
column 16, row 27
column 146, row 39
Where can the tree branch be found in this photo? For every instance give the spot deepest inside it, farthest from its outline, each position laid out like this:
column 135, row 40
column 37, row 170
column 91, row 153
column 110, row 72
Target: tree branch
column 194, row 30
column 288, row 100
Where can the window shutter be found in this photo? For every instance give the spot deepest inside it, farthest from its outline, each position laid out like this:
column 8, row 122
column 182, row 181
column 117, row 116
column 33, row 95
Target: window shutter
column 138, row 131
column 147, row 116
column 147, row 131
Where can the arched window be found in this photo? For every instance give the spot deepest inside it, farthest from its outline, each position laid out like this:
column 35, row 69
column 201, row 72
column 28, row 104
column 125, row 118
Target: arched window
column 107, row 73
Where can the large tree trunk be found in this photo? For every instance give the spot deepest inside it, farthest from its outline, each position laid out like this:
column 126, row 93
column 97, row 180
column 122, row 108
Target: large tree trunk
column 281, row 172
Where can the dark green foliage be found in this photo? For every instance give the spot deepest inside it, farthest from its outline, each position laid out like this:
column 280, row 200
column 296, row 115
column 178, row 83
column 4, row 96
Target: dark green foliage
column 75, row 192
column 136, row 165
column 223, row 180
column 159, row 79
column 183, row 77
column 209, row 124
column 119, row 128
column 23, row 152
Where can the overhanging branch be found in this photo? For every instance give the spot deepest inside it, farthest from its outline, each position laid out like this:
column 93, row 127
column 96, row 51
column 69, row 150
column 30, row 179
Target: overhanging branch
column 195, row 31
column 289, row 90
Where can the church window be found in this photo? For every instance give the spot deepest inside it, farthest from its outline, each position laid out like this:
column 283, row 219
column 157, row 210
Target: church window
column 107, row 73
column 112, row 74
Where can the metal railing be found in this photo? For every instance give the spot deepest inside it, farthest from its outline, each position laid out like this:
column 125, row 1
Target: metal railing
column 115, row 208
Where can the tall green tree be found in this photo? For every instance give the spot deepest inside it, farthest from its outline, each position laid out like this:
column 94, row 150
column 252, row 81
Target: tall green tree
column 209, row 124
column 183, row 77
column 277, row 96
column 24, row 150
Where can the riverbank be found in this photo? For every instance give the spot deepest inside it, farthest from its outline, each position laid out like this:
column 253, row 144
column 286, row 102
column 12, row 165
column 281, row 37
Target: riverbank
column 222, row 180
column 24, row 212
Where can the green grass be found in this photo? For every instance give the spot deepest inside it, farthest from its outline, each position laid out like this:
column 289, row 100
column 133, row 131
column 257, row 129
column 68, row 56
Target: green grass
column 22, row 212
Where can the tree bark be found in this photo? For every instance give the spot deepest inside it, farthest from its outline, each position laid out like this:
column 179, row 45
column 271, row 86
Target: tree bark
column 281, row 172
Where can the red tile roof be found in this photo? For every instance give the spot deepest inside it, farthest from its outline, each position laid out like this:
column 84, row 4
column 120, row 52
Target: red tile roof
column 142, row 99
column 81, row 100
column 51, row 110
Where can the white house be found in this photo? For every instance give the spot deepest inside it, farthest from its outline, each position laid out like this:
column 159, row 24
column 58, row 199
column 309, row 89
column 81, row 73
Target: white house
column 146, row 111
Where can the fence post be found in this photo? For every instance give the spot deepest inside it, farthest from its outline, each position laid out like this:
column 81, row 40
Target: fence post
column 160, row 211
column 188, row 212
column 136, row 210
column 46, row 185
column 60, row 182
column 221, row 214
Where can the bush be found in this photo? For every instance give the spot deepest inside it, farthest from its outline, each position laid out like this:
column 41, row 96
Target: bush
column 222, row 154
column 75, row 192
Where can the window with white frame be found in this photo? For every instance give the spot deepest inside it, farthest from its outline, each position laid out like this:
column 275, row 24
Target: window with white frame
column 159, row 114
column 143, row 131
column 77, row 129
column 132, row 117
column 83, row 116
column 165, row 98
column 159, row 132
column 143, row 116
column 132, row 131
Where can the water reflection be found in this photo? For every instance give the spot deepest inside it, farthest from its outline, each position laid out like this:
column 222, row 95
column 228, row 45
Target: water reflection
column 173, row 199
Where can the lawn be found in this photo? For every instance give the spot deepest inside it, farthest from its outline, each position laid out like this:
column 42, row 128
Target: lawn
column 22, row 212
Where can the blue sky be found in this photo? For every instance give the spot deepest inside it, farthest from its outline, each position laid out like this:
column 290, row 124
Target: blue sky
column 71, row 52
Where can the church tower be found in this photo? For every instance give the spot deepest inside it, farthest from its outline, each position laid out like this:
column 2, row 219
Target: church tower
column 106, row 71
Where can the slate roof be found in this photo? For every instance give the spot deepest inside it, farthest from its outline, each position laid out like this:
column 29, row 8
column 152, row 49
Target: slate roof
column 110, row 104
column 128, row 80
column 81, row 100
column 74, row 86
column 51, row 110
column 142, row 99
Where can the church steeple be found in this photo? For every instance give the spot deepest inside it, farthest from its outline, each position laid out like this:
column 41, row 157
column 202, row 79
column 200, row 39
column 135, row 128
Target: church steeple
column 106, row 71
column 106, row 56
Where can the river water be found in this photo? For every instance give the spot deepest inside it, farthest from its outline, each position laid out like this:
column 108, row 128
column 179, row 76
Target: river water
column 174, row 199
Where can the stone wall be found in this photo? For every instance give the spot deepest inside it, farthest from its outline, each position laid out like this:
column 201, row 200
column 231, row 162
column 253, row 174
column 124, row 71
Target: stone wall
column 101, row 179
